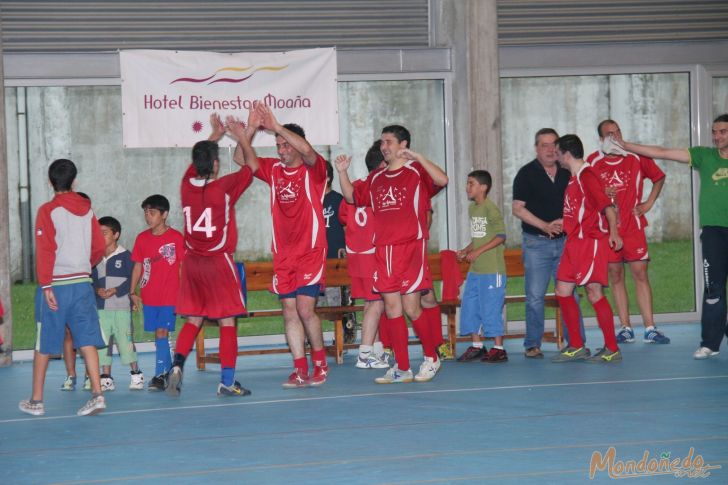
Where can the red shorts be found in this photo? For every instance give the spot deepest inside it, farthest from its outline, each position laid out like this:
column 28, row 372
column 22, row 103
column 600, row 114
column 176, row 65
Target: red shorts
column 361, row 289
column 210, row 287
column 584, row 261
column 634, row 248
column 294, row 271
column 402, row 268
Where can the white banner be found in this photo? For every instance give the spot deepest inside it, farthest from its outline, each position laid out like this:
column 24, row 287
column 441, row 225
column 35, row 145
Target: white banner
column 167, row 96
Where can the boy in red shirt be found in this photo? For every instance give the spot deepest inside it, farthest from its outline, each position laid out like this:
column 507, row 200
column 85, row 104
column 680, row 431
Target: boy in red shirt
column 584, row 260
column 399, row 197
column 156, row 255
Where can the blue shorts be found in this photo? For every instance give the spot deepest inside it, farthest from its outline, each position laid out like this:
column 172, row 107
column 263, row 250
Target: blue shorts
column 159, row 317
column 482, row 304
column 77, row 309
column 310, row 290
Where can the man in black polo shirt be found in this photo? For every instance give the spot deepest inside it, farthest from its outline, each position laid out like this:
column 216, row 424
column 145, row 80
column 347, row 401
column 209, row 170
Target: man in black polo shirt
column 538, row 201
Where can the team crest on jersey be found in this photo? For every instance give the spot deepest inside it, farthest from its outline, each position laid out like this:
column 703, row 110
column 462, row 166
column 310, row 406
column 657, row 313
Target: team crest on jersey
column 389, row 197
column 618, row 179
column 720, row 174
column 287, row 191
column 168, row 252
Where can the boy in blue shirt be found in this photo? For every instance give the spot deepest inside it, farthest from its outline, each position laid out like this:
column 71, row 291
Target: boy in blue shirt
column 112, row 282
column 485, row 287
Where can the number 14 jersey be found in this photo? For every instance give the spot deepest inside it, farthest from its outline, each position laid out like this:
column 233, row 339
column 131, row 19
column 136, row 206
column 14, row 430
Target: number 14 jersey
column 208, row 208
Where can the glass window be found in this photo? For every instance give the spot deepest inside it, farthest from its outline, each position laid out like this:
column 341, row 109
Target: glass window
column 83, row 123
column 720, row 96
column 650, row 108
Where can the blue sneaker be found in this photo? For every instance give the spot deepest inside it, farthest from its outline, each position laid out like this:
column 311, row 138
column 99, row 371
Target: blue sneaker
column 626, row 335
column 654, row 336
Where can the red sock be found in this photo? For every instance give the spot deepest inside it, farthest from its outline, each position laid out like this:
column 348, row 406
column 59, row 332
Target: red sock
column 186, row 339
column 301, row 365
column 399, row 335
column 318, row 358
column 570, row 312
column 605, row 318
column 384, row 332
column 434, row 318
column 422, row 329
column 228, row 347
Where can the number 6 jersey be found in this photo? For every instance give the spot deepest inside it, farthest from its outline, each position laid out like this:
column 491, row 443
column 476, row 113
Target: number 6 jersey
column 208, row 207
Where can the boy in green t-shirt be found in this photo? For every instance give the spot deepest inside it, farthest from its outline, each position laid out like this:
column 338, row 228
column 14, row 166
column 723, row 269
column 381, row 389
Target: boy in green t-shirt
column 485, row 287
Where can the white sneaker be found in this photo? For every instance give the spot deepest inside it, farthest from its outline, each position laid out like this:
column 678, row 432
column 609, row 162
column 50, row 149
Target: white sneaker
column 395, row 376
column 704, row 353
column 107, row 384
column 428, row 370
column 94, row 406
column 371, row 362
column 137, row 382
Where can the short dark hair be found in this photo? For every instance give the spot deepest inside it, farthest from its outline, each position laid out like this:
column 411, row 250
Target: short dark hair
column 329, row 173
column 204, row 154
column 374, row 158
column 295, row 129
column 111, row 223
column 62, row 173
column 156, row 201
column 483, row 177
column 572, row 144
column 601, row 125
column 544, row 131
column 721, row 119
column 84, row 195
column 400, row 133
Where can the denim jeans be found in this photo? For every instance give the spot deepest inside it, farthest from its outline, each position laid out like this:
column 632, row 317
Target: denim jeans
column 541, row 257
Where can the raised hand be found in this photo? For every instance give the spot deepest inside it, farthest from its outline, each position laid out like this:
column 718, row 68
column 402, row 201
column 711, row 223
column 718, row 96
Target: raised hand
column 218, row 128
column 342, row 163
column 267, row 120
column 408, row 154
column 235, row 128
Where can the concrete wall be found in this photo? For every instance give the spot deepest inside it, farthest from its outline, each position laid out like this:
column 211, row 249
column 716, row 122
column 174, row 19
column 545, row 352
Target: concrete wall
column 650, row 108
column 84, row 124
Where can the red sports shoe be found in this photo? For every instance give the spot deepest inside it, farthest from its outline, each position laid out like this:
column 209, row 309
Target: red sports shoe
column 319, row 375
column 297, row 379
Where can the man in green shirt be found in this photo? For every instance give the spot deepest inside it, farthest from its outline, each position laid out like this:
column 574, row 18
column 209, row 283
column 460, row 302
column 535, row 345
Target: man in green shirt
column 712, row 165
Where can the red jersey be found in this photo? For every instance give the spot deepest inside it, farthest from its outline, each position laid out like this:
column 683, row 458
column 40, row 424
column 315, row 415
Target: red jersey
column 160, row 257
column 626, row 174
column 359, row 234
column 399, row 200
column 584, row 202
column 296, row 202
column 209, row 211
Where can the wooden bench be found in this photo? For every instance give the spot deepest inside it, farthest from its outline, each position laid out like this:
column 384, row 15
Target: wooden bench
column 258, row 276
column 514, row 269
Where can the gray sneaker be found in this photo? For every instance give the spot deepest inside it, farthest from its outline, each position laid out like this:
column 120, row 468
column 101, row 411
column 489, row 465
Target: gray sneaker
column 33, row 408
column 605, row 356
column 570, row 354
column 174, row 381
column 395, row 376
column 93, row 406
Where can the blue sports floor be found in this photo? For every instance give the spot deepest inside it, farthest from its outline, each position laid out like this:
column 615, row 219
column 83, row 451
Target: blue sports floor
column 526, row 421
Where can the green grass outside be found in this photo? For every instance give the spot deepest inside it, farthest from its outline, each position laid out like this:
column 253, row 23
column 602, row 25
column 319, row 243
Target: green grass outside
column 671, row 275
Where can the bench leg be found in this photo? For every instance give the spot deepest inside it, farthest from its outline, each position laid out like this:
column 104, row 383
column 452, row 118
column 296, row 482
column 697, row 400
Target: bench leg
column 451, row 331
column 339, row 340
column 200, row 348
